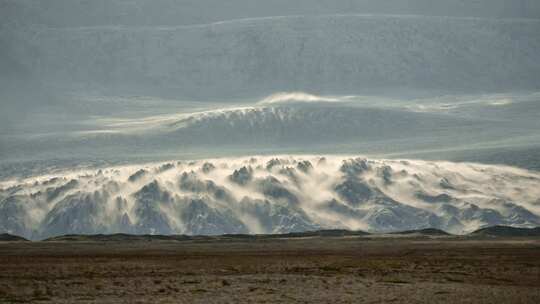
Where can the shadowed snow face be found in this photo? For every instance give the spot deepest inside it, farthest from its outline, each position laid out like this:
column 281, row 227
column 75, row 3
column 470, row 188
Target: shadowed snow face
column 271, row 195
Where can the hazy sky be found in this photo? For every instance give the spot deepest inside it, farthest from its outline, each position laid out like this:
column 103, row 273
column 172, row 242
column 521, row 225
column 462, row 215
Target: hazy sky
column 92, row 79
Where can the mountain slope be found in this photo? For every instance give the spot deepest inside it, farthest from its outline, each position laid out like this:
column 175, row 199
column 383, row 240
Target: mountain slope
column 308, row 125
column 271, row 195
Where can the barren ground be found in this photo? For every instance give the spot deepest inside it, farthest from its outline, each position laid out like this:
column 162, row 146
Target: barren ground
column 302, row 270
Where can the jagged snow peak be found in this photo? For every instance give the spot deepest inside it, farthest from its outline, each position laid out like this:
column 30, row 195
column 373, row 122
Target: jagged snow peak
column 271, row 195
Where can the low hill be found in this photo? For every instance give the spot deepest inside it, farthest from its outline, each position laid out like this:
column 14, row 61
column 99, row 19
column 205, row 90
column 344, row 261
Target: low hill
column 117, row 237
column 506, row 231
column 494, row 231
column 122, row 237
column 325, row 233
column 6, row 237
column 426, row 231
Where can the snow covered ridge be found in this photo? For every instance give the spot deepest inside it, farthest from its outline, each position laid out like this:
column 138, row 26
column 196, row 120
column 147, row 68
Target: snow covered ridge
column 271, row 195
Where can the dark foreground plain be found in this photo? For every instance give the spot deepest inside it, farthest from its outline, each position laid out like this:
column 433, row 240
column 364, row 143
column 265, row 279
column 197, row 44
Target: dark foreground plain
column 411, row 268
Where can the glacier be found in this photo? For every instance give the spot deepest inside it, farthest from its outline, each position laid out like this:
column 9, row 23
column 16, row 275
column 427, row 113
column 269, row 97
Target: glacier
column 270, row 194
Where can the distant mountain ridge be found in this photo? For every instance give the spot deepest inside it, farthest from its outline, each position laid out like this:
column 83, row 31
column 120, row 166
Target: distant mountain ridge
column 270, row 195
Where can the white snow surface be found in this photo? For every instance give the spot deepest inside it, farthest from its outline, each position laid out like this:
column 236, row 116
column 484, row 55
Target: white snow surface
column 264, row 194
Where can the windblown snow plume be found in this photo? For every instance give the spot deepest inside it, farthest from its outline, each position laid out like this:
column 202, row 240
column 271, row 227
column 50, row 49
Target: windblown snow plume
column 271, row 195
column 285, row 97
